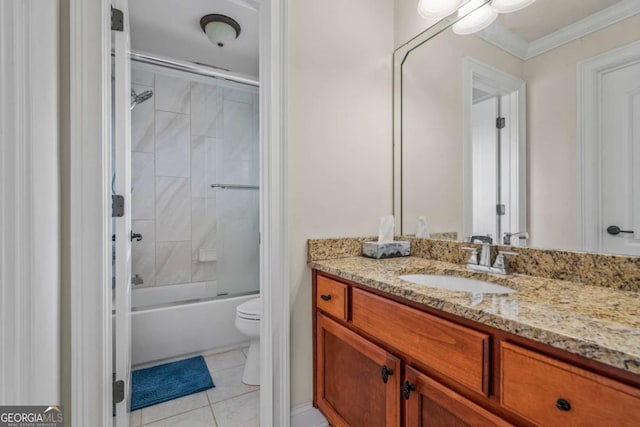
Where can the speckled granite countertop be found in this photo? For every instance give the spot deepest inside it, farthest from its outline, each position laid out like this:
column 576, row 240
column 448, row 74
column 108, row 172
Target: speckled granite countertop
column 596, row 322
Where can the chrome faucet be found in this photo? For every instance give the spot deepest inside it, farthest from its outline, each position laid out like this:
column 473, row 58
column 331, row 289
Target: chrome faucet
column 506, row 240
column 500, row 265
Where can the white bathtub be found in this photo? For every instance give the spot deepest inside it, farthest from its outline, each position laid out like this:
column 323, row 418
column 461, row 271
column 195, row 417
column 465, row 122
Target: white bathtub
column 178, row 320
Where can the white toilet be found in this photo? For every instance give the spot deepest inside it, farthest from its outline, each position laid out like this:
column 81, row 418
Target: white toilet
column 248, row 323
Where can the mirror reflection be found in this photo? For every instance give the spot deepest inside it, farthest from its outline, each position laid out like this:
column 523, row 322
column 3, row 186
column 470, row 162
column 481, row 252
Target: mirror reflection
column 526, row 132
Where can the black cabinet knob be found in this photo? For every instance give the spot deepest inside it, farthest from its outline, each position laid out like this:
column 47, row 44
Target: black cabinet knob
column 326, row 297
column 563, row 405
column 407, row 388
column 385, row 373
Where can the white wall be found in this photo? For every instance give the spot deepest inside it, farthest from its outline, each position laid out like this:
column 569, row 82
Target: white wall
column 340, row 142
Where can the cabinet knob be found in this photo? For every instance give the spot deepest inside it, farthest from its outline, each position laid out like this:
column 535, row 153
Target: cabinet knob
column 385, row 373
column 325, row 297
column 563, row 405
column 407, row 388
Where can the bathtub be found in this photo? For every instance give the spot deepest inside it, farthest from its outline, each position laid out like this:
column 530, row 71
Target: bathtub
column 168, row 322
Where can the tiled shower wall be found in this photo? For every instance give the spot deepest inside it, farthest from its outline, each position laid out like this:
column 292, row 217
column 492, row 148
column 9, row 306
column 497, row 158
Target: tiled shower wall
column 194, row 132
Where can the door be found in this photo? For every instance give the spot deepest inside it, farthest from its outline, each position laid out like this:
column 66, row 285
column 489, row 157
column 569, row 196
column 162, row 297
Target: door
column 430, row 404
column 121, row 140
column 620, row 151
column 358, row 383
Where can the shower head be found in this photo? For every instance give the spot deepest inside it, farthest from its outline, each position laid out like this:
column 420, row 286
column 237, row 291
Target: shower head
column 140, row 98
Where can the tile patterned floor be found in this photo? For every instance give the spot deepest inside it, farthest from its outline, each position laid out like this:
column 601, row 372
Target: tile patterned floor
column 230, row 404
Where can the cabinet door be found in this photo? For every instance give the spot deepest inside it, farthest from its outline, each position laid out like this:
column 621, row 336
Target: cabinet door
column 358, row 383
column 430, row 404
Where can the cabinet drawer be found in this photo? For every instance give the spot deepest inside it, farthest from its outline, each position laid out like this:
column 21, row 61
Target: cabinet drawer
column 331, row 297
column 552, row 393
column 453, row 350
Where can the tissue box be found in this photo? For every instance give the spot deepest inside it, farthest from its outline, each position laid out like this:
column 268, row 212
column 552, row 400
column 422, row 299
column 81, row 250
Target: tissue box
column 386, row 250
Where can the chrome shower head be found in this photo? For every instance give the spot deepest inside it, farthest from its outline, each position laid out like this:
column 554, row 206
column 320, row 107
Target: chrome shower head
column 140, row 98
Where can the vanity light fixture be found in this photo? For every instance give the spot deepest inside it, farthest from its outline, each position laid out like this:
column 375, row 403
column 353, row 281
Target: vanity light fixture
column 508, row 6
column 437, row 9
column 475, row 21
column 220, row 29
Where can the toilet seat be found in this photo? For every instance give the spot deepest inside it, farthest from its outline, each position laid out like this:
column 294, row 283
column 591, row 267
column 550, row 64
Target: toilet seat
column 250, row 310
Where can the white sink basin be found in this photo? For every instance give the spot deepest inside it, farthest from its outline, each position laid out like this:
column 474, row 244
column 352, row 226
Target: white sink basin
column 454, row 283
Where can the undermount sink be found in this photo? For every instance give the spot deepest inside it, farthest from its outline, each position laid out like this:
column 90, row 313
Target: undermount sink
column 454, row 283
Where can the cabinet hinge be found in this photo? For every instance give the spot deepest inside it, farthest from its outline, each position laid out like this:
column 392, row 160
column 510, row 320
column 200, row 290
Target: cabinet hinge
column 407, row 388
column 501, row 123
column 117, row 19
column 117, row 206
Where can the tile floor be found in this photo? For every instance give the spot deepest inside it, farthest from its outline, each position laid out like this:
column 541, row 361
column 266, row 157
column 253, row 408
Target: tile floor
column 230, row 403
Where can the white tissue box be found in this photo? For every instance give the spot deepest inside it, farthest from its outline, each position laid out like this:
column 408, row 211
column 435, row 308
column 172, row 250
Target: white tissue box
column 386, row 250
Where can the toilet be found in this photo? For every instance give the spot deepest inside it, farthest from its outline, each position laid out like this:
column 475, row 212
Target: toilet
column 248, row 323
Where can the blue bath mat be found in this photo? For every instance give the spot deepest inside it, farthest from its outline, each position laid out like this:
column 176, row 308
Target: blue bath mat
column 160, row 383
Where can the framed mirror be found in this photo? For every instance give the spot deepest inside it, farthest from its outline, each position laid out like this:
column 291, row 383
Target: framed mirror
column 526, row 132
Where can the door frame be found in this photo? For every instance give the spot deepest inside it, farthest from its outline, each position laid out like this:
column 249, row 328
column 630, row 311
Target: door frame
column 472, row 67
column 90, row 284
column 589, row 144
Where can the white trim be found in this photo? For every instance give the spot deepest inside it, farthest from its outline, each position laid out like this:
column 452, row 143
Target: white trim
column 307, row 416
column 505, row 39
column 29, row 204
column 90, row 71
column 274, row 248
column 508, row 83
column 249, row 4
column 590, row 72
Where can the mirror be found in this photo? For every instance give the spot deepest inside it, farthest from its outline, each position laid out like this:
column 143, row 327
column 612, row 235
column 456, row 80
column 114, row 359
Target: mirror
column 531, row 125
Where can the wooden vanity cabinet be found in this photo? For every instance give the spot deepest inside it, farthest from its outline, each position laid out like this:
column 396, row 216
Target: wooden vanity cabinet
column 380, row 362
column 430, row 404
column 357, row 382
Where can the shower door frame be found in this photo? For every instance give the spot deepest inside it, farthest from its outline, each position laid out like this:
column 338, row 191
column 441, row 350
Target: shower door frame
column 89, row 208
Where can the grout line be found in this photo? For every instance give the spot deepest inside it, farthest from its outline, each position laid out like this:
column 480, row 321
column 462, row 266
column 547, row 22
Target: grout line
column 176, row 414
column 237, row 395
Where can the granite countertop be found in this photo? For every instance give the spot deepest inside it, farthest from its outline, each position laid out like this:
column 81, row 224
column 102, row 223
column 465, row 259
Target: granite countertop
column 596, row 322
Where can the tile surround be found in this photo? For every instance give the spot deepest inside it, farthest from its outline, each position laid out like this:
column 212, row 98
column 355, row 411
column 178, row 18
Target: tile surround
column 183, row 140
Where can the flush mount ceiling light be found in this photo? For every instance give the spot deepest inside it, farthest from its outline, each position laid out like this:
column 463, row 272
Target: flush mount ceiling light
column 220, row 29
column 437, row 9
column 508, row 6
column 475, row 21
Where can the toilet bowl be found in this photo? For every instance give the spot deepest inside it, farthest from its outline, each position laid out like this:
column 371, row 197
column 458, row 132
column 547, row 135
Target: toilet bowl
column 248, row 323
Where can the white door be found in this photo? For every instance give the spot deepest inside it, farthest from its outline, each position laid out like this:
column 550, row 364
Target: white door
column 485, row 166
column 122, row 225
column 620, row 155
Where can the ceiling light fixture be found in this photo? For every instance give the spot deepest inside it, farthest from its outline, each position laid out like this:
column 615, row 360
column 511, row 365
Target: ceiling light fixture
column 437, row 9
column 220, row 29
column 474, row 20
column 508, row 6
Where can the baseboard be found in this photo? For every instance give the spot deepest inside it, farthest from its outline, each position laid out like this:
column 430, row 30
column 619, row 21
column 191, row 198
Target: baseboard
column 307, row 416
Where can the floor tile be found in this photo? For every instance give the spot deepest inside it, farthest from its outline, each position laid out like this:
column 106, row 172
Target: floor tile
column 174, row 407
column 242, row 411
column 197, row 418
column 228, row 384
column 227, row 360
column 134, row 418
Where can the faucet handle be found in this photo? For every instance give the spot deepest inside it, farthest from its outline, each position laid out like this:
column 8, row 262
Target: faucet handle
column 473, row 255
column 500, row 261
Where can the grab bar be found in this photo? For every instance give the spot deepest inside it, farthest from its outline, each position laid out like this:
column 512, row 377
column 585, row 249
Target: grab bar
column 235, row 187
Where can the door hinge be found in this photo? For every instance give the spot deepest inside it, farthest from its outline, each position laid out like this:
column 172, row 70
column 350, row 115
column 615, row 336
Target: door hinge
column 118, row 391
column 500, row 209
column 501, row 123
column 117, row 19
column 117, row 206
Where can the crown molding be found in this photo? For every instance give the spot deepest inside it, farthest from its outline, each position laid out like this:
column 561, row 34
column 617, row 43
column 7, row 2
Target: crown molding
column 508, row 41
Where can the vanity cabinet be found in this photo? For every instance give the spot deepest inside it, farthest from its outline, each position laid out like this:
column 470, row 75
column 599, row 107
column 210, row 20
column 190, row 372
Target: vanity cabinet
column 379, row 361
column 357, row 381
column 430, row 404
